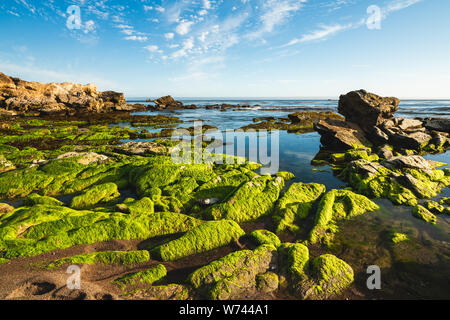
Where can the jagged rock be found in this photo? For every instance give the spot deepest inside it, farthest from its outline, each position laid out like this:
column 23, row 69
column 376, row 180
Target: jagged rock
column 142, row 148
column 367, row 109
column 406, row 123
column 19, row 96
column 385, row 152
column 412, row 162
column 377, row 136
column 438, row 124
column 85, row 157
column 338, row 134
column 366, row 168
column 414, row 140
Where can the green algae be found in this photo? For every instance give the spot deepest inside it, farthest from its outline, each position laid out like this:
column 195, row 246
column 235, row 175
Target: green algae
column 39, row 229
column 251, row 200
column 337, row 205
column 295, row 204
column 397, row 237
column 148, row 276
column 106, row 258
column 423, row 214
column 296, row 257
column 267, row 282
column 208, row 236
column 332, row 275
column 261, row 237
column 137, row 207
column 34, row 199
column 235, row 273
column 96, row 194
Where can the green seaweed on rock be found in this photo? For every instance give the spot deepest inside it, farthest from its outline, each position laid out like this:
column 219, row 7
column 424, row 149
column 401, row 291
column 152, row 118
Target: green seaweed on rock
column 208, row 236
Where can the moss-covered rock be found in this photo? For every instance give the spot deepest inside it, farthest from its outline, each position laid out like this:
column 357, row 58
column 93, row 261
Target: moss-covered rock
column 261, row 237
column 148, row 276
column 167, row 292
column 97, row 194
column 32, row 231
column 106, row 258
column 423, row 214
column 295, row 205
column 35, row 198
column 437, row 207
column 295, row 259
column 5, row 208
column 137, row 207
column 334, row 206
column 208, row 236
column 332, row 276
column 267, row 282
column 233, row 275
column 397, row 237
column 251, row 201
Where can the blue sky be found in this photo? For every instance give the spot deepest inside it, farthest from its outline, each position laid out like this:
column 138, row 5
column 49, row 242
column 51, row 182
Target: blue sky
column 233, row 48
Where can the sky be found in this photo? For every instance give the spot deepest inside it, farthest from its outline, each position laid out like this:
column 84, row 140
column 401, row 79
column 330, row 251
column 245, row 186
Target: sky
column 232, row 48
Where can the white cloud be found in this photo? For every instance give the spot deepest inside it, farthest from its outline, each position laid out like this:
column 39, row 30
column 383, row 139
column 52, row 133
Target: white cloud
column 160, row 9
column 136, row 38
column 89, row 26
column 188, row 45
column 275, row 13
column 320, row 34
column 152, row 48
column 184, row 27
column 169, row 35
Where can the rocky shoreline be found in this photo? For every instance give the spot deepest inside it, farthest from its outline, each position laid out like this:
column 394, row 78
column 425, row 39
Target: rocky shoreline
column 73, row 193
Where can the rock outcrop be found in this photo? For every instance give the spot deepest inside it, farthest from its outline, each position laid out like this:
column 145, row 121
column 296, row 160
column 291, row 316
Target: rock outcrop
column 25, row 97
column 369, row 121
column 169, row 103
column 367, row 109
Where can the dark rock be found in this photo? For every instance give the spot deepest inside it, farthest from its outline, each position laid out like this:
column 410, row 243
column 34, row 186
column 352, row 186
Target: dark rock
column 438, row 124
column 402, row 139
column 367, row 109
column 338, row 134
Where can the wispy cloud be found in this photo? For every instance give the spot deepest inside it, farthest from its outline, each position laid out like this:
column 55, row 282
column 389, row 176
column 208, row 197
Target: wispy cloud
column 320, row 34
column 276, row 12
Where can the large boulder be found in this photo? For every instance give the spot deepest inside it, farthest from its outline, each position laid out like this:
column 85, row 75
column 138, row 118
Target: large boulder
column 19, row 96
column 338, row 134
column 367, row 109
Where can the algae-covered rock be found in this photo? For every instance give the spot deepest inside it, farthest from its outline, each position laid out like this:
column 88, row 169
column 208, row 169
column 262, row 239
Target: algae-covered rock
column 34, row 199
column 319, row 278
column 295, row 259
column 337, row 205
column 423, row 214
column 437, row 207
column 137, row 207
column 5, row 208
column 234, row 275
column 97, row 194
column 251, row 201
column 295, row 204
column 397, row 237
column 267, row 282
column 39, row 229
column 148, row 276
column 167, row 292
column 265, row 237
column 106, row 258
column 208, row 236
column 332, row 276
